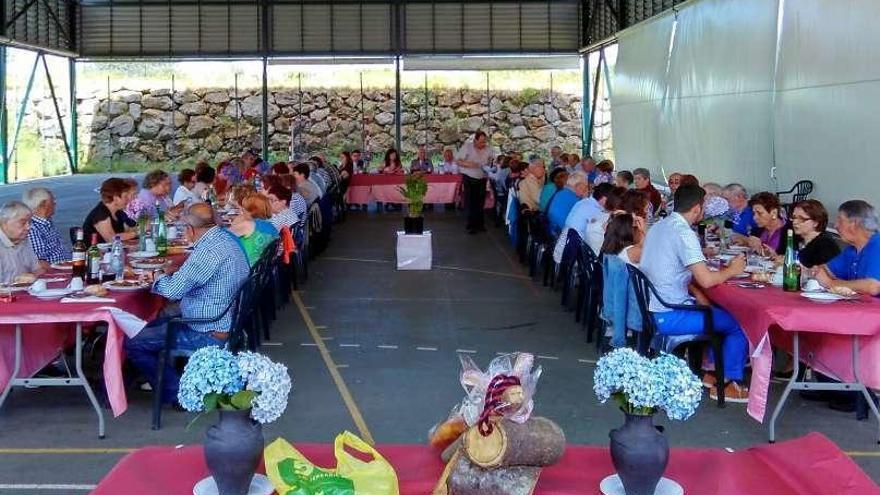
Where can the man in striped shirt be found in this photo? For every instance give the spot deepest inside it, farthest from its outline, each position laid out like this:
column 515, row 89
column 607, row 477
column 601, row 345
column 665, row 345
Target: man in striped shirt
column 206, row 284
column 44, row 236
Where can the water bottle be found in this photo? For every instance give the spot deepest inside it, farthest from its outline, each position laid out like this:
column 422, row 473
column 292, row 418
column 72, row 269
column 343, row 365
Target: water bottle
column 117, row 259
column 258, row 183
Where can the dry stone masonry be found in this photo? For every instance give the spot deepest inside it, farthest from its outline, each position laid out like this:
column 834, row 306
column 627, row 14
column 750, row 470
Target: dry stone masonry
column 159, row 125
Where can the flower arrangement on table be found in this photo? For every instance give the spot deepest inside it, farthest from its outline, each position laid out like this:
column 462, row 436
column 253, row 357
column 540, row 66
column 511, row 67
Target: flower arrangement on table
column 641, row 387
column 249, row 390
column 216, row 379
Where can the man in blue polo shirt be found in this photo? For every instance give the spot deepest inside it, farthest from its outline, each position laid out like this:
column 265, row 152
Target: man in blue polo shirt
column 858, row 266
column 673, row 261
column 740, row 212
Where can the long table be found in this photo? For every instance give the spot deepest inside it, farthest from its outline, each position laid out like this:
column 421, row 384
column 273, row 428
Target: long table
column 33, row 332
column 442, row 189
column 811, row 465
column 841, row 339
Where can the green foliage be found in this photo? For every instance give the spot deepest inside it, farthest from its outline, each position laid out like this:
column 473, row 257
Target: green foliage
column 414, row 191
column 239, row 401
column 526, row 96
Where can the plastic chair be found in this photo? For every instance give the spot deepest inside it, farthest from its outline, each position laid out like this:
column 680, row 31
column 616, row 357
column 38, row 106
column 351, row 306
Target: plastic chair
column 589, row 296
column 570, row 255
column 168, row 352
column 799, row 192
column 650, row 338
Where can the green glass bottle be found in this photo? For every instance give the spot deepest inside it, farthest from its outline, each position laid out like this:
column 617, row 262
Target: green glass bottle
column 161, row 232
column 791, row 269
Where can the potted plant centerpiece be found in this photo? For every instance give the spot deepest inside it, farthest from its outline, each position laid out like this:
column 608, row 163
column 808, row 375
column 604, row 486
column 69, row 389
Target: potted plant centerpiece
column 248, row 390
column 641, row 387
column 414, row 191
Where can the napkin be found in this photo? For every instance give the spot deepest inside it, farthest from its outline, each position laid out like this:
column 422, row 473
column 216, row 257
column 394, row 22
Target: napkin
column 56, row 279
column 88, row 299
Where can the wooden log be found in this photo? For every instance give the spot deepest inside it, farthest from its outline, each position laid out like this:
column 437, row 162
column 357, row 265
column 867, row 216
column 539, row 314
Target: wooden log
column 447, row 454
column 467, row 478
column 537, row 442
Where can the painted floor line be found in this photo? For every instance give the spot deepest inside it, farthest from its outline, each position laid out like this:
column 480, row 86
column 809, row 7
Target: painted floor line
column 48, row 487
column 342, row 366
column 272, row 344
column 387, row 346
column 309, row 344
column 349, row 345
column 466, row 351
column 555, row 358
column 437, row 267
column 426, row 348
column 587, row 361
column 347, row 398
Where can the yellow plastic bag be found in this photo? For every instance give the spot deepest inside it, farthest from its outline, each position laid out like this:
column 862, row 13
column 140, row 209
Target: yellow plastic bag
column 375, row 477
column 292, row 474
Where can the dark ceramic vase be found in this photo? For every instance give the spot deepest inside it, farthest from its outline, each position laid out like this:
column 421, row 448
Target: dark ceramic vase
column 640, row 453
column 233, row 448
column 413, row 225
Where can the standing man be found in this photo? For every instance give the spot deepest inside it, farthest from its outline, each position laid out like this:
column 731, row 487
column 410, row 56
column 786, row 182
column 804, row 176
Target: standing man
column 422, row 163
column 470, row 159
column 44, row 236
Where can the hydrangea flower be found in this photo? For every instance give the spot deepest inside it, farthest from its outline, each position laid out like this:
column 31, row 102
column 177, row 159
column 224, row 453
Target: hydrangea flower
column 642, row 386
column 271, row 382
column 681, row 390
column 209, row 370
column 716, row 206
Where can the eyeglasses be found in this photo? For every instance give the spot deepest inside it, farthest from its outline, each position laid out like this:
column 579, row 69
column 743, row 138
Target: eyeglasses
column 800, row 218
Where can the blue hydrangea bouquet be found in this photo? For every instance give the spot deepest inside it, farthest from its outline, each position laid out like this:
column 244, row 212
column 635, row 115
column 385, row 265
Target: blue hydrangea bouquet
column 216, row 379
column 641, row 386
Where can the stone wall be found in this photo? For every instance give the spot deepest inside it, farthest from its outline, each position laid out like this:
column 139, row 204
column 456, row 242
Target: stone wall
column 159, row 125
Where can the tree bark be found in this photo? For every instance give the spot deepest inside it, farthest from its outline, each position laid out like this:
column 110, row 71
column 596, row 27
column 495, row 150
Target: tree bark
column 537, row 442
column 469, row 479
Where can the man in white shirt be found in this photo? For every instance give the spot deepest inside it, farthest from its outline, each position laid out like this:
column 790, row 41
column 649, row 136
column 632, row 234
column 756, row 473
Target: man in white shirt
column 470, row 159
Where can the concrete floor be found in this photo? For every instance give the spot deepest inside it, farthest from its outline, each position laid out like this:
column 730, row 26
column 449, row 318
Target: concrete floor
column 393, row 337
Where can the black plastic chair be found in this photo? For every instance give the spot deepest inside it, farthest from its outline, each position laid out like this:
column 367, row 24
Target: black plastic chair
column 263, row 273
column 233, row 342
column 570, row 255
column 589, row 296
column 650, row 339
column 799, row 192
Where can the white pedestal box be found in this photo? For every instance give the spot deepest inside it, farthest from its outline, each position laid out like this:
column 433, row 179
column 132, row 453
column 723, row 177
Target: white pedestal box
column 414, row 251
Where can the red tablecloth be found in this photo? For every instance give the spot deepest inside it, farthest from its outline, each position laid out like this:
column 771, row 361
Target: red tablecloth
column 826, row 331
column 811, row 465
column 442, row 189
column 48, row 325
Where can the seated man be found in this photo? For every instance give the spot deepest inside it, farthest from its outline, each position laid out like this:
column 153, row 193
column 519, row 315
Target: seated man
column 858, row 266
column 205, row 285
column 530, row 188
column 44, row 237
column 279, row 202
column 576, row 187
column 672, row 259
column 740, row 213
column 18, row 263
column 422, row 163
column 642, row 180
column 582, row 214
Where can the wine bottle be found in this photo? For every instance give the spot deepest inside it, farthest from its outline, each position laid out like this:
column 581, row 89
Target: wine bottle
column 791, row 270
column 94, row 262
column 79, row 256
column 161, row 234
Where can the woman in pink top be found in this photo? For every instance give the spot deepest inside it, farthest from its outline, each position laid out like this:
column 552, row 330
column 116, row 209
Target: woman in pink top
column 392, row 163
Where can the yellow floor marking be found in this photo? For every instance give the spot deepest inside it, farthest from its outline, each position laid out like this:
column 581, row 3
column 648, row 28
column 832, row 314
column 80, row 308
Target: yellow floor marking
column 356, row 415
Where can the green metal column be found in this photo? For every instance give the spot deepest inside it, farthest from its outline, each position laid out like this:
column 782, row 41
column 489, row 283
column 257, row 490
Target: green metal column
column 264, row 132
column 74, row 141
column 3, row 115
column 397, row 116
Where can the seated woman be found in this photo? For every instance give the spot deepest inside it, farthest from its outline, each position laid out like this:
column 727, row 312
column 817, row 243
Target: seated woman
column 594, row 234
column 156, row 190
column 187, row 180
column 558, row 178
column 204, row 180
column 770, row 236
column 279, row 202
column 817, row 247
column 605, row 173
column 252, row 228
column 106, row 218
column 237, row 194
column 624, row 238
column 391, row 164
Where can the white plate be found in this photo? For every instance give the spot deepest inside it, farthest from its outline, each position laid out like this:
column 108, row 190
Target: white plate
column 147, row 266
column 110, row 286
column 758, row 269
column 57, row 266
column 50, row 294
column 612, row 485
column 260, row 485
column 143, row 254
column 736, row 249
column 823, row 297
column 741, row 275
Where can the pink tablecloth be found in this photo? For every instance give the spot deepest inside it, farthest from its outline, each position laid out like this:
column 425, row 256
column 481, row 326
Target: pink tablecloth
column 811, row 465
column 48, row 326
column 442, row 189
column 770, row 313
